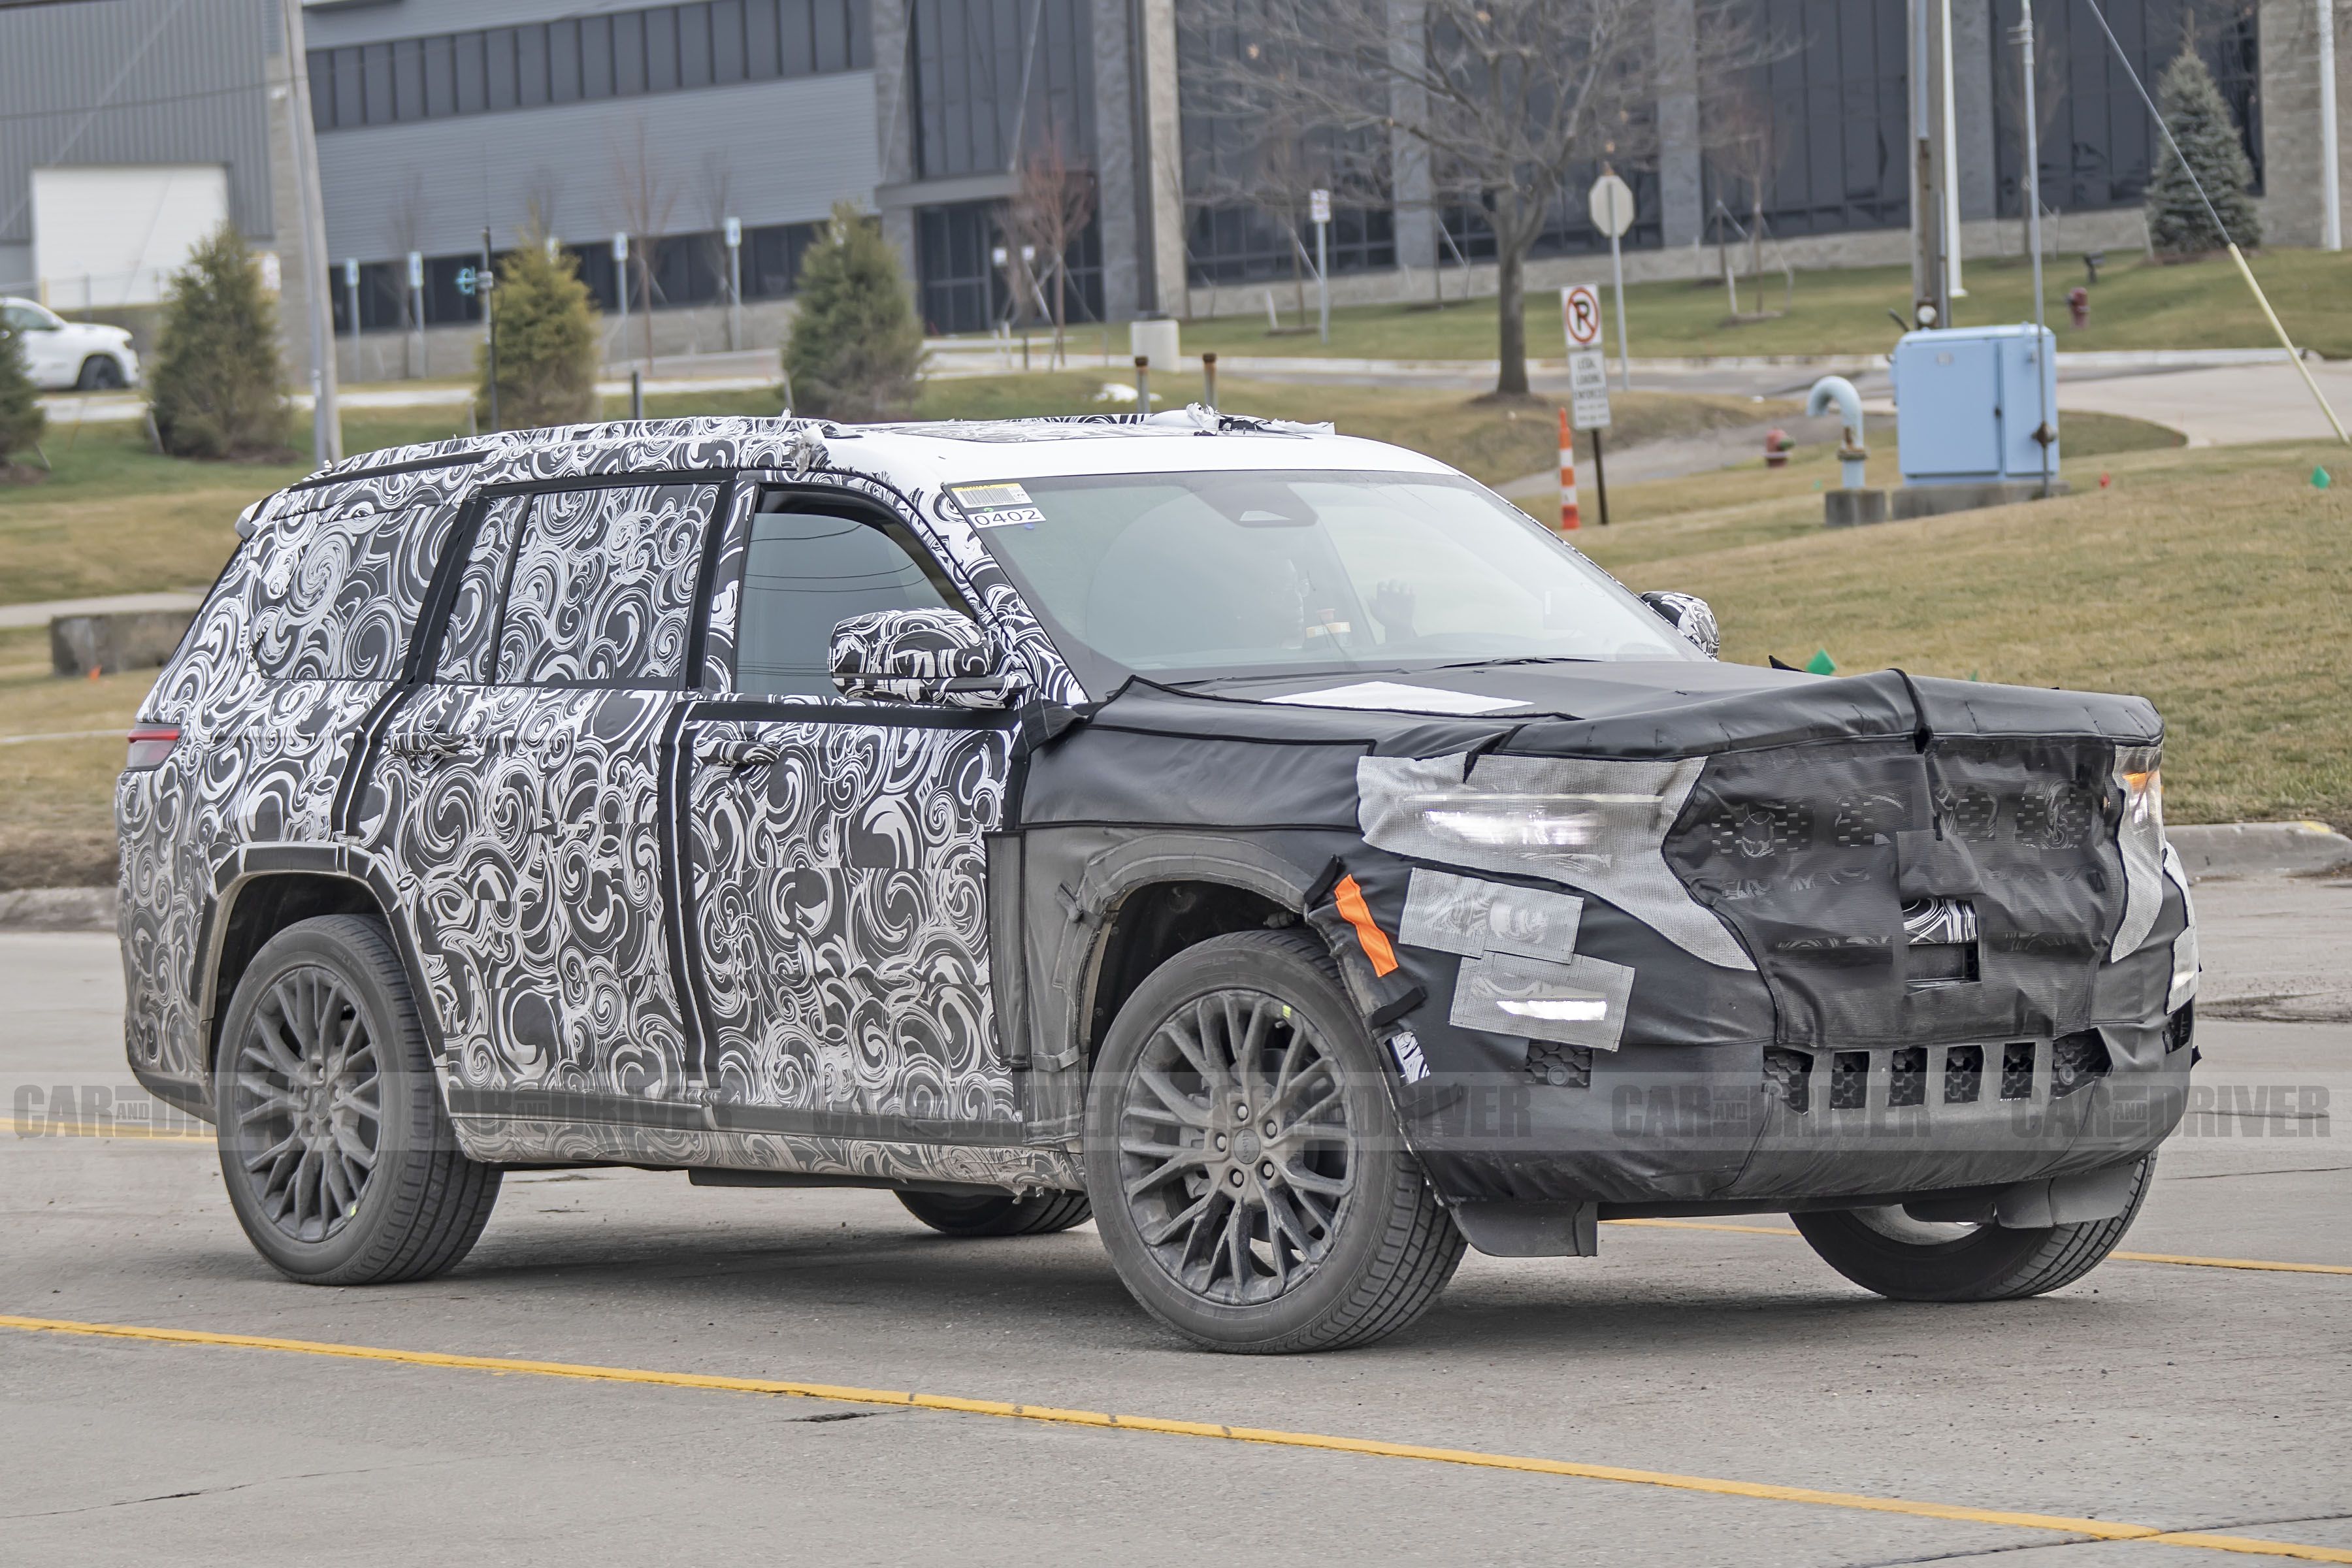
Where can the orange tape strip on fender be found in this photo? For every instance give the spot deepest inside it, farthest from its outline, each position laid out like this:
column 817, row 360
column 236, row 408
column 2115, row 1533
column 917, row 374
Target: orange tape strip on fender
column 1358, row 913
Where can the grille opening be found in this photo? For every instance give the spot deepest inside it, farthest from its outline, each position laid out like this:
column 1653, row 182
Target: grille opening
column 2017, row 1070
column 1906, row 1079
column 1849, row 1080
column 1963, row 1075
column 1788, row 1076
column 1559, row 1066
column 1941, row 963
column 2077, row 1059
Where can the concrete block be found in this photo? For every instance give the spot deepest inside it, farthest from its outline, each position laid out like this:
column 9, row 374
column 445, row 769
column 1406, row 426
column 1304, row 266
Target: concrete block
column 134, row 640
column 1852, row 509
column 1935, row 501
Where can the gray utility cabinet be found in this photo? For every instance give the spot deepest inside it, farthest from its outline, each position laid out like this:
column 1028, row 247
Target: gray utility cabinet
column 1967, row 404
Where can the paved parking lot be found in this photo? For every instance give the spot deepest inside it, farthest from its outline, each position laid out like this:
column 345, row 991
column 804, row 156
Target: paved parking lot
column 1689, row 1390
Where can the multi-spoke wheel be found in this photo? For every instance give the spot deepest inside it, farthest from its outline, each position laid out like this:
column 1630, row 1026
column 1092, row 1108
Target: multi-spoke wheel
column 1247, row 1169
column 339, row 1160
column 306, row 1103
column 1887, row 1251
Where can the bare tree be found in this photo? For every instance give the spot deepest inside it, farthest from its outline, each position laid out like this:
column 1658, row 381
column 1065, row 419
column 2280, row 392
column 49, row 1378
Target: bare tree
column 2049, row 96
column 1055, row 203
column 1737, row 129
column 716, row 186
column 403, row 220
column 1510, row 96
column 643, row 196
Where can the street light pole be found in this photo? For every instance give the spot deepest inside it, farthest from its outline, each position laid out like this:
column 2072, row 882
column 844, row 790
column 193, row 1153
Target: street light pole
column 484, row 287
column 325, row 420
column 2331, row 187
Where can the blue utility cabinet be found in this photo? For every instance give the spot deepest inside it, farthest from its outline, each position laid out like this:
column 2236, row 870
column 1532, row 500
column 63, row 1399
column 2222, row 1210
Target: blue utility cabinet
column 1967, row 405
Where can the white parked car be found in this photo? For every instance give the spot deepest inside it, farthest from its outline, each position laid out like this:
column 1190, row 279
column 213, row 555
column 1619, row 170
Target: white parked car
column 62, row 354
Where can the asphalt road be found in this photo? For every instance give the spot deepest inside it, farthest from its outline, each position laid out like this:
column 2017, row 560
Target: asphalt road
column 2171, row 1395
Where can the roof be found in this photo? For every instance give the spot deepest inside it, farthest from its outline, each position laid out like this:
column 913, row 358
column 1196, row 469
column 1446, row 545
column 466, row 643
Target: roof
column 912, row 455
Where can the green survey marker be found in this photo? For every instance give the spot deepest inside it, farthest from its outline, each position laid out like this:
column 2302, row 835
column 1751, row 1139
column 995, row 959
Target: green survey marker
column 1821, row 663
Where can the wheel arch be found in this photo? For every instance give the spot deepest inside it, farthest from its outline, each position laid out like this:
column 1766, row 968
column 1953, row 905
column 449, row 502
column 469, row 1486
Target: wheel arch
column 265, row 889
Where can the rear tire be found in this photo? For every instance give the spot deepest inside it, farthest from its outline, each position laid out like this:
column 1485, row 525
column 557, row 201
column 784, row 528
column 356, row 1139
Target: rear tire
column 1249, row 1178
column 1884, row 1250
column 999, row 1213
column 339, row 1159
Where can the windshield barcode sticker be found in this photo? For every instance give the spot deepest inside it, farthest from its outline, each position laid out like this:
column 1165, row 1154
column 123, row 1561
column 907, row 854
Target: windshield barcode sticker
column 990, row 498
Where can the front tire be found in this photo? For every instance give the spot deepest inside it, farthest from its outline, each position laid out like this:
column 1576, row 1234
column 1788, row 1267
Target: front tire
column 1885, row 1251
column 339, row 1159
column 1248, row 1175
column 998, row 1214
column 99, row 373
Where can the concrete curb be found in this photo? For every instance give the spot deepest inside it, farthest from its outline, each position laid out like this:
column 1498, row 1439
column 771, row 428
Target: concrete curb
column 2260, row 849
column 57, row 908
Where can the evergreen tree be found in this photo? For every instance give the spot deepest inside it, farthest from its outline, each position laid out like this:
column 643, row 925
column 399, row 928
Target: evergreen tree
column 855, row 347
column 548, row 339
column 217, row 388
column 2194, row 110
column 21, row 416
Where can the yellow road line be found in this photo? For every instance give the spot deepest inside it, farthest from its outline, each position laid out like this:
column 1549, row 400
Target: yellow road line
column 42, row 1129
column 2086, row 1529
column 2178, row 1259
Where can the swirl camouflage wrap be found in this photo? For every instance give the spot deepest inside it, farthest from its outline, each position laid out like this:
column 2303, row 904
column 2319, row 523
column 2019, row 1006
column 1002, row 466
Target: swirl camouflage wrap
column 617, row 883
column 916, row 656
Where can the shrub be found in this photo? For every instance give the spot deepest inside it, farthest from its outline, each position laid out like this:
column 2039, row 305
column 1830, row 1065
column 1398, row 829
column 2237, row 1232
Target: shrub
column 856, row 348
column 2193, row 108
column 548, row 340
column 21, row 416
column 217, row 388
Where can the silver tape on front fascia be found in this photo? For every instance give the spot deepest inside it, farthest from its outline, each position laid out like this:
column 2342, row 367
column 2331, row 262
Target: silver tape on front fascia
column 1474, row 918
column 2139, row 835
column 1626, row 866
column 1504, row 993
column 2185, row 965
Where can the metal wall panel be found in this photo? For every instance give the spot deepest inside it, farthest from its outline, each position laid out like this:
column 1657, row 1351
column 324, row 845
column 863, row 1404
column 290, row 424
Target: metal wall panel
column 789, row 150
column 190, row 91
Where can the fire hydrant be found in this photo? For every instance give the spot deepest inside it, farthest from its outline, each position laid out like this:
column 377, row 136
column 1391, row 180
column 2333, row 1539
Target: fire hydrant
column 2078, row 302
column 1777, row 446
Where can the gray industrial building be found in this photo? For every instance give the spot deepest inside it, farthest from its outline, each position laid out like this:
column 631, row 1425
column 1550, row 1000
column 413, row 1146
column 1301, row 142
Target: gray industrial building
column 436, row 118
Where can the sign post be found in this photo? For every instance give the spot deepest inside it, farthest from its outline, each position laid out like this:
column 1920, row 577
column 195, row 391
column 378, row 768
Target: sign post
column 621, row 283
column 734, row 282
column 416, row 308
column 1318, row 208
column 1611, row 203
column 1587, row 376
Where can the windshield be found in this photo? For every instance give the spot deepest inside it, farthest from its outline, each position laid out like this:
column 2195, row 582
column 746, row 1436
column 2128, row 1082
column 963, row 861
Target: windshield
column 1201, row 576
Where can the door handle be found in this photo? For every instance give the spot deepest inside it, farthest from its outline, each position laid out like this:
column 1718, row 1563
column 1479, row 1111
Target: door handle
column 737, row 753
column 432, row 744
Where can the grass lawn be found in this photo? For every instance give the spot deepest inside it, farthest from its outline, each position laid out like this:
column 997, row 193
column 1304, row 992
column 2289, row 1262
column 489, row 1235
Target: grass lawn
column 2214, row 581
column 2138, row 304
column 56, row 796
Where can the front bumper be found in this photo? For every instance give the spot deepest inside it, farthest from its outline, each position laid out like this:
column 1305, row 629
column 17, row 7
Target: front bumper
column 1670, row 1128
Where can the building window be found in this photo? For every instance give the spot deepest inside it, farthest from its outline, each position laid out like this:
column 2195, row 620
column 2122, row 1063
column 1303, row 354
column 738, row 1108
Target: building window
column 1233, row 243
column 663, row 48
column 1568, row 224
column 970, row 58
column 1839, row 108
column 2099, row 149
column 964, row 290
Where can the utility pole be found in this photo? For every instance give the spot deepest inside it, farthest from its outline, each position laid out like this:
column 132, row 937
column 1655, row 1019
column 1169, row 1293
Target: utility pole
column 484, row 284
column 2043, row 435
column 1948, row 153
column 326, row 420
column 2331, row 180
column 1931, row 304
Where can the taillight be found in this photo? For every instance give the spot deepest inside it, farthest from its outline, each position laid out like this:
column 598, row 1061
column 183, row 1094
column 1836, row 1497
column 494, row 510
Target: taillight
column 150, row 744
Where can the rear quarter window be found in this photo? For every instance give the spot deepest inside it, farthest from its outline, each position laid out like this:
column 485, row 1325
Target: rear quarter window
column 335, row 589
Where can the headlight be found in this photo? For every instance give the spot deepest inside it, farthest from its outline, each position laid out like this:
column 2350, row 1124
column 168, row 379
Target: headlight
column 2139, row 836
column 1581, row 825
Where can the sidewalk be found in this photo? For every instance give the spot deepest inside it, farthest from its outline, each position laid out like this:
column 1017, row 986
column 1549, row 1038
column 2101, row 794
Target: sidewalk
column 64, row 409
column 41, row 614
